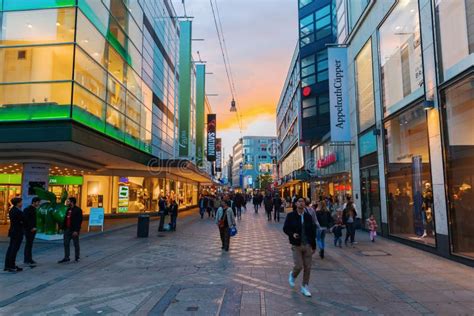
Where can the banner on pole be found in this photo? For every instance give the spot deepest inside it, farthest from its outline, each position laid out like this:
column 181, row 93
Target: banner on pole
column 211, row 137
column 338, row 95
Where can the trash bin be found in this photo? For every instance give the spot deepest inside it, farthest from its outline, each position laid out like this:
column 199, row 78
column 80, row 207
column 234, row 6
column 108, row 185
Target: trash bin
column 143, row 225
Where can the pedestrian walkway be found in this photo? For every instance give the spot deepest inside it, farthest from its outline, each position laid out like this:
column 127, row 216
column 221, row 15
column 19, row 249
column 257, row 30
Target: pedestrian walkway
column 186, row 273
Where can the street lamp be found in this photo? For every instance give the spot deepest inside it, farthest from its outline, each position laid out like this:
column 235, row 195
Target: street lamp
column 233, row 107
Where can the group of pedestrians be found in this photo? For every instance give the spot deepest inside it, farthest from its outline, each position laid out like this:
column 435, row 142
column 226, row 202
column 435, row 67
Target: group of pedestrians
column 167, row 206
column 23, row 225
column 273, row 204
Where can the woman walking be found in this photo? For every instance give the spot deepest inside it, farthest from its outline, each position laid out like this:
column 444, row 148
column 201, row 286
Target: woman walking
column 224, row 220
column 324, row 218
column 349, row 217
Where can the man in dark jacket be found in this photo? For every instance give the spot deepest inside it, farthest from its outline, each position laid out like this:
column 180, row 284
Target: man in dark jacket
column 173, row 211
column 277, row 204
column 268, row 204
column 16, row 235
column 301, row 231
column 29, row 216
column 72, row 227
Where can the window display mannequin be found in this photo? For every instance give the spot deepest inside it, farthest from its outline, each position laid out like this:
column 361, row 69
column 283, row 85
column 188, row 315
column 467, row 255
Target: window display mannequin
column 427, row 211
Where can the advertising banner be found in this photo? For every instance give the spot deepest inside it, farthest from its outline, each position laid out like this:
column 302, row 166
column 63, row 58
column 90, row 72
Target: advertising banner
column 200, row 99
column 184, row 87
column 218, row 155
column 35, row 175
column 338, row 95
column 211, row 137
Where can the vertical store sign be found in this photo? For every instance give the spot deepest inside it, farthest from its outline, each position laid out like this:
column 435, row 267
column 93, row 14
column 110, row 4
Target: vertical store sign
column 211, row 137
column 338, row 95
column 184, row 87
column 218, row 155
column 200, row 99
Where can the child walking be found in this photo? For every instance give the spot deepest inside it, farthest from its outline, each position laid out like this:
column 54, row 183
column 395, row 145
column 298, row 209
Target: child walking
column 337, row 231
column 372, row 223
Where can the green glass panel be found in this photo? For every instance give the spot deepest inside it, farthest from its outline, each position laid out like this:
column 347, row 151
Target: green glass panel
column 115, row 132
column 27, row 112
column 82, row 116
column 10, row 5
column 97, row 14
column 10, row 178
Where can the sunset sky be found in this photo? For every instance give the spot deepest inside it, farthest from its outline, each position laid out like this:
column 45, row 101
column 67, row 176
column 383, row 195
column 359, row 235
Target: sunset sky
column 261, row 37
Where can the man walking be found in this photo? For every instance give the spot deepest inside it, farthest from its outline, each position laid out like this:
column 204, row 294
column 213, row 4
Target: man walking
column 16, row 235
column 268, row 204
column 301, row 233
column 255, row 202
column 29, row 218
column 72, row 227
column 277, row 204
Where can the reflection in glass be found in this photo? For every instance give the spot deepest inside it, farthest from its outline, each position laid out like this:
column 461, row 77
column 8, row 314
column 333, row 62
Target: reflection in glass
column 115, row 94
column 400, row 53
column 88, row 109
column 89, row 74
column 365, row 89
column 116, row 65
column 458, row 104
column 455, row 29
column 37, row 27
column 89, row 38
column 409, row 189
column 37, row 63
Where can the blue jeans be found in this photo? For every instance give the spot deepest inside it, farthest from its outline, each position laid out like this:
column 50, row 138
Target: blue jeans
column 320, row 238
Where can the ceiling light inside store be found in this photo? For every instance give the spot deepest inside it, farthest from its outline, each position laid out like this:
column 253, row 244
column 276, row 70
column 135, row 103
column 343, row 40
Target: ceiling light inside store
column 58, row 24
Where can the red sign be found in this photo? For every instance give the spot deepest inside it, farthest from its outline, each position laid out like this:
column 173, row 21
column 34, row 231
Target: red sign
column 327, row 161
column 306, row 91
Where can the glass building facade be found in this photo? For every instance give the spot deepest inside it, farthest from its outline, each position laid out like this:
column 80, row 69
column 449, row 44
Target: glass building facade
column 91, row 88
column 104, row 64
column 411, row 74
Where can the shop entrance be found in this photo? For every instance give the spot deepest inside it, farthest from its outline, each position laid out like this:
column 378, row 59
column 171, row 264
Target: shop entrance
column 370, row 194
column 7, row 192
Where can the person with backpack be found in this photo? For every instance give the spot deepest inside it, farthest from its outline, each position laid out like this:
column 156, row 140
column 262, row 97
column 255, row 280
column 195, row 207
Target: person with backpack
column 225, row 219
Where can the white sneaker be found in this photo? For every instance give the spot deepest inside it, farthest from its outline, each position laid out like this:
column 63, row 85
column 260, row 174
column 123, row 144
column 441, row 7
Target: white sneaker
column 291, row 280
column 305, row 291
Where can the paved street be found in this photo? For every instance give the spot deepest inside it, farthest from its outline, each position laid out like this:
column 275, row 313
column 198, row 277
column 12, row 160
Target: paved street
column 185, row 273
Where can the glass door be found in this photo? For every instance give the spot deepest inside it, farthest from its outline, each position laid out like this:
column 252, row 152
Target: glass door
column 370, row 194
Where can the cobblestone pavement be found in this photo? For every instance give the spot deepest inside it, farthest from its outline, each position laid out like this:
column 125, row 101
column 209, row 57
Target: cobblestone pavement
column 186, row 273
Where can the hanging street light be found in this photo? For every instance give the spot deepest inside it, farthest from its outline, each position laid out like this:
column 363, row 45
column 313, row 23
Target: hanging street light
column 233, row 108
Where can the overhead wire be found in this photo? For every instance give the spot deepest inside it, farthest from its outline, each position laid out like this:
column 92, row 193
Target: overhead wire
column 225, row 58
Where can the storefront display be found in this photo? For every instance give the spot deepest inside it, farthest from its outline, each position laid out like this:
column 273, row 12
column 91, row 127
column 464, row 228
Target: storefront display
column 458, row 117
column 409, row 189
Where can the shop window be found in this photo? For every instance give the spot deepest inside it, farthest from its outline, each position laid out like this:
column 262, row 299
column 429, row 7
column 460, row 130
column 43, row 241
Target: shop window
column 458, row 108
column 89, row 74
column 37, row 27
column 35, row 101
column 115, row 123
column 367, row 143
column 132, row 109
column 400, row 54
column 455, row 29
column 365, row 88
column 409, row 186
column 37, row 63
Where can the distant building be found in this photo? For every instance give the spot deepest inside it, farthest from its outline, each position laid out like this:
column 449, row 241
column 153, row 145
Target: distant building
column 252, row 156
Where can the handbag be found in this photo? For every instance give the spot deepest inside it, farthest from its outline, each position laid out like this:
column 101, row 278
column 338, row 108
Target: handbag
column 232, row 231
column 221, row 222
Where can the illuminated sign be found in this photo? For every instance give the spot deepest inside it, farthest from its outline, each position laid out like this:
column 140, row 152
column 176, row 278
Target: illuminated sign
column 327, row 161
column 211, row 137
